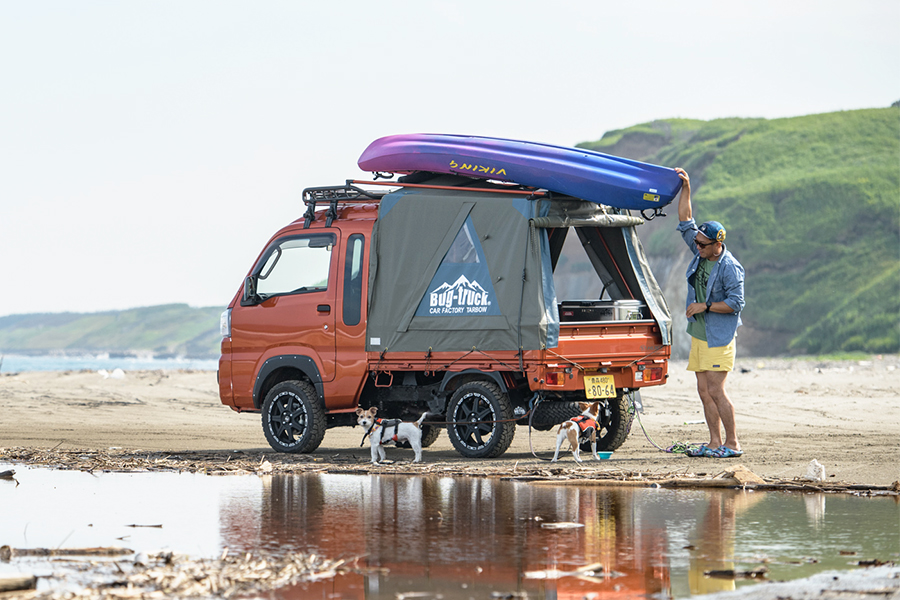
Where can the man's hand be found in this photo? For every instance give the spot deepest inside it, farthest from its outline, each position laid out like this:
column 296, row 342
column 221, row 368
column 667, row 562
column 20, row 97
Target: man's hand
column 695, row 308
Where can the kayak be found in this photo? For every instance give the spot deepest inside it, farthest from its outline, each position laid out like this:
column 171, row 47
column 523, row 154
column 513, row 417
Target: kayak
column 592, row 176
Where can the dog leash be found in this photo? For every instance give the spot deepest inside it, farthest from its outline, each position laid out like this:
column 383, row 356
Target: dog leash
column 676, row 447
column 366, row 433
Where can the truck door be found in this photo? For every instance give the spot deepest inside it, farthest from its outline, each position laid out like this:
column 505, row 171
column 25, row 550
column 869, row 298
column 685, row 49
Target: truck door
column 292, row 312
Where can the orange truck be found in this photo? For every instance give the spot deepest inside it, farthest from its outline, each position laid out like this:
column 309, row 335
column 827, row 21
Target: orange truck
column 439, row 293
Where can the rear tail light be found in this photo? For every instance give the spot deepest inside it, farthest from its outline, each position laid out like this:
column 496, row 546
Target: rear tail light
column 553, row 378
column 653, row 374
column 225, row 323
column 648, row 373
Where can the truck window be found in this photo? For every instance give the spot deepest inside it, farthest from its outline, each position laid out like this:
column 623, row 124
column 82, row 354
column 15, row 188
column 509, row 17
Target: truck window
column 296, row 265
column 353, row 271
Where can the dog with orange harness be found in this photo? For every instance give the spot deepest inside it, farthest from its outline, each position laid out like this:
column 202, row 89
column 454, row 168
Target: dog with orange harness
column 579, row 430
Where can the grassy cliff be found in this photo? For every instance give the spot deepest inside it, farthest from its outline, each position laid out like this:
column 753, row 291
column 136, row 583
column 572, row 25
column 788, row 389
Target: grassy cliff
column 169, row 329
column 812, row 209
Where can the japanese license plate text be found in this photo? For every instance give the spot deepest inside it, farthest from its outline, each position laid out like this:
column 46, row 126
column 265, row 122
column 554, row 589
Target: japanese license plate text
column 600, row 386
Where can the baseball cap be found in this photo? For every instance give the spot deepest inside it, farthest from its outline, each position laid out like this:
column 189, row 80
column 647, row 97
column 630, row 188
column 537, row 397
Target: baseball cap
column 713, row 230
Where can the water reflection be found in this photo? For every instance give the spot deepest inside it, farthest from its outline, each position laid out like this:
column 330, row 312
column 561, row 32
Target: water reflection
column 714, row 541
column 462, row 537
column 473, row 537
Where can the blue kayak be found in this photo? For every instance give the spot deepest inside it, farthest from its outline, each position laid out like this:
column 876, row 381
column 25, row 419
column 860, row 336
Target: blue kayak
column 600, row 178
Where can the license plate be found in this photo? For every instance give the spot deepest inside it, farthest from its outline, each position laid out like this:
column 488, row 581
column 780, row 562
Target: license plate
column 600, row 386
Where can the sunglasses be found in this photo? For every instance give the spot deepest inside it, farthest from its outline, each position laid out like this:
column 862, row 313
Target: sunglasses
column 702, row 245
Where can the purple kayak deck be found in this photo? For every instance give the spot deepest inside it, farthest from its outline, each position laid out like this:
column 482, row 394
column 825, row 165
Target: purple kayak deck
column 600, row 178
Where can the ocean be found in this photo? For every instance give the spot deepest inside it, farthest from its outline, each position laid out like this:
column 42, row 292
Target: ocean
column 12, row 363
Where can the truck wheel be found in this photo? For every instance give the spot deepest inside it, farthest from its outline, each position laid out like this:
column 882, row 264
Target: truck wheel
column 292, row 418
column 471, row 405
column 430, row 434
column 615, row 427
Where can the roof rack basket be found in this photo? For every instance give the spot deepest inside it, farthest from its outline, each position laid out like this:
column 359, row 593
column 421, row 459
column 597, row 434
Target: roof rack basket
column 334, row 195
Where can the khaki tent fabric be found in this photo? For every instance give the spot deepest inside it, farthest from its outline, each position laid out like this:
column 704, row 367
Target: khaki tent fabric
column 417, row 227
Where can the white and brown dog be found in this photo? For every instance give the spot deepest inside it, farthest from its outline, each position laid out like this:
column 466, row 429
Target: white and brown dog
column 579, row 429
column 385, row 431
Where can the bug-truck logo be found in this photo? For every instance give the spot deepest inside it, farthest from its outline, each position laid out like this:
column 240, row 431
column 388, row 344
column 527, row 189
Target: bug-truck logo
column 462, row 297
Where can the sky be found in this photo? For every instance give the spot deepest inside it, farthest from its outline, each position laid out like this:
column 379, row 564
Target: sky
column 148, row 150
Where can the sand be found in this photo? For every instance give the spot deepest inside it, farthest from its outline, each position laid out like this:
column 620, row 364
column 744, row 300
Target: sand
column 844, row 414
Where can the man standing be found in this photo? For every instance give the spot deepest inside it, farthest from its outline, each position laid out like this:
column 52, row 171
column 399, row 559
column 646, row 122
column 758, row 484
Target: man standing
column 714, row 302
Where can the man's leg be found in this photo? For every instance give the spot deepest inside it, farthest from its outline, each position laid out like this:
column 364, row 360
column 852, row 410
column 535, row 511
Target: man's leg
column 715, row 387
column 710, row 410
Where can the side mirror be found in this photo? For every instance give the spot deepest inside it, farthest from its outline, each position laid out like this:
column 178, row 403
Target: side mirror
column 249, row 297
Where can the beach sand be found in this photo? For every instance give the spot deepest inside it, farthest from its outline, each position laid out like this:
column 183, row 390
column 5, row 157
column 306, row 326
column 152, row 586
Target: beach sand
column 844, row 414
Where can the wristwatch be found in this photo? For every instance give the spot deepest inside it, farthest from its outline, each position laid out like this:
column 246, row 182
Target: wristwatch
column 708, row 306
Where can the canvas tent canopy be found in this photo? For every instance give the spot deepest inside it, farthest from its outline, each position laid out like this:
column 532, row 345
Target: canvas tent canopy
column 453, row 270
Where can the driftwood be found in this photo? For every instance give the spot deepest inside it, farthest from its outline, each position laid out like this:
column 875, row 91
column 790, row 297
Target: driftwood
column 759, row 573
column 245, row 462
column 7, row 553
column 17, row 583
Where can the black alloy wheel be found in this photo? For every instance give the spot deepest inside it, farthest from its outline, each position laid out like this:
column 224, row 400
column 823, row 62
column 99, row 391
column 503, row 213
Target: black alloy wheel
column 479, row 420
column 292, row 417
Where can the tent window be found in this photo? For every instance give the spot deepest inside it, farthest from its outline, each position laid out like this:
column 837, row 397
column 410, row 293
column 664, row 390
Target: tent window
column 463, row 248
column 574, row 277
column 462, row 284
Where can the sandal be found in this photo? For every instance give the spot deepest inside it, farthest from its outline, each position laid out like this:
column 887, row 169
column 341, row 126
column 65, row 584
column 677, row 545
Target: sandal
column 725, row 452
column 703, row 450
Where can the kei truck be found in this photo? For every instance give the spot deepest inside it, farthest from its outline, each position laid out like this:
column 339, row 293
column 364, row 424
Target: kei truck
column 444, row 286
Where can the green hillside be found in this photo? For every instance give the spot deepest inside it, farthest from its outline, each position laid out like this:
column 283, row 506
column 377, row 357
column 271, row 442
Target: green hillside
column 164, row 330
column 812, row 209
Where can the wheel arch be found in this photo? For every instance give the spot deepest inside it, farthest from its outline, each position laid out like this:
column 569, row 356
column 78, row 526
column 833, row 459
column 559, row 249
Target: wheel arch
column 285, row 368
column 452, row 380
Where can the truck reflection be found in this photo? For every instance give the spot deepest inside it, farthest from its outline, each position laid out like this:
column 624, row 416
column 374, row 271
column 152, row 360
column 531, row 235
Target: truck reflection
column 460, row 537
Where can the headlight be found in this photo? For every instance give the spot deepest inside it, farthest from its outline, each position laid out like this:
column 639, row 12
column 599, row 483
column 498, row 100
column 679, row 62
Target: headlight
column 225, row 323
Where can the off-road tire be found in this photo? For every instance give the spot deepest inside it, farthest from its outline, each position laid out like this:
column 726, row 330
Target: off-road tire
column 615, row 428
column 548, row 415
column 292, row 417
column 479, row 401
column 430, row 434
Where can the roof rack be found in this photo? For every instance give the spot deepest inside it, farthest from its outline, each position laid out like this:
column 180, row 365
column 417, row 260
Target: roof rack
column 350, row 193
column 334, row 195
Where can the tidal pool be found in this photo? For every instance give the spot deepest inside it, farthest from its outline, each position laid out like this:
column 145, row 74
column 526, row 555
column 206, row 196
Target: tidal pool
column 458, row 537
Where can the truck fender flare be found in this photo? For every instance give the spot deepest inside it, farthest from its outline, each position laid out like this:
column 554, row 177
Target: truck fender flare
column 450, row 376
column 304, row 364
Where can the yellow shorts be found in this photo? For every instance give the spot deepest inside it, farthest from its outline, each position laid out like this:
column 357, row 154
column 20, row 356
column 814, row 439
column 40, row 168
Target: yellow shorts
column 704, row 358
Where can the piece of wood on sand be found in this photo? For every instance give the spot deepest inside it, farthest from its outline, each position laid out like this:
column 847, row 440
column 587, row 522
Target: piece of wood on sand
column 16, row 583
column 7, row 553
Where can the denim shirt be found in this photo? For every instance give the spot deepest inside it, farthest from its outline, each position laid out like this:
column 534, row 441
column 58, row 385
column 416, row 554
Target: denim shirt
column 726, row 284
